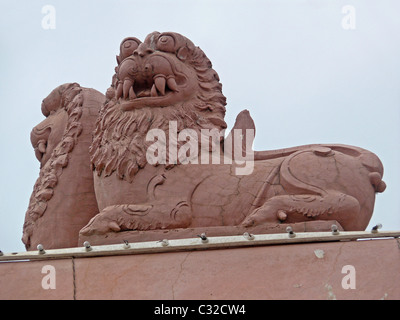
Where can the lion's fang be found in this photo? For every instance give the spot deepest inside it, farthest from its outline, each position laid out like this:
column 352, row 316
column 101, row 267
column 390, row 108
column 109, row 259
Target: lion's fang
column 153, row 91
column 172, row 84
column 160, row 84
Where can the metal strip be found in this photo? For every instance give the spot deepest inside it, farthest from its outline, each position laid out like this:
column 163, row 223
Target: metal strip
column 189, row 244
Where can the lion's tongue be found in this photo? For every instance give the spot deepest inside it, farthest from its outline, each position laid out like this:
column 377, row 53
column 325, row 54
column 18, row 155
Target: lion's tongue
column 144, row 93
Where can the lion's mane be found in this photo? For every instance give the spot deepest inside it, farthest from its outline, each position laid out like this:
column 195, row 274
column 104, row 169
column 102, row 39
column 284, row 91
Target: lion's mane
column 119, row 143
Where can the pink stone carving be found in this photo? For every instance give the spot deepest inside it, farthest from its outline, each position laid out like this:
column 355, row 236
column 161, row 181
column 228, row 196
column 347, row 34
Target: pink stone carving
column 63, row 197
column 165, row 94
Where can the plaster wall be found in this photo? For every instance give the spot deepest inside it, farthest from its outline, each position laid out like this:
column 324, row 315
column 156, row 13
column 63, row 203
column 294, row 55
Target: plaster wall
column 293, row 271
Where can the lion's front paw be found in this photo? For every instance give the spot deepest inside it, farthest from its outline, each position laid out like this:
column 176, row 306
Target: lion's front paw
column 117, row 218
column 262, row 215
column 139, row 217
column 100, row 224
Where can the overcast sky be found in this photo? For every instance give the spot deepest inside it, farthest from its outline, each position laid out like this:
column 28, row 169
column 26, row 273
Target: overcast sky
column 294, row 64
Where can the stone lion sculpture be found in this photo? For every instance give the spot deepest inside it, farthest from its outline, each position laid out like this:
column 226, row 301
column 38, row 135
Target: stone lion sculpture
column 158, row 160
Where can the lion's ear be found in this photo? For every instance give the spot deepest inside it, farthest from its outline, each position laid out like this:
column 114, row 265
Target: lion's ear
column 182, row 53
column 70, row 90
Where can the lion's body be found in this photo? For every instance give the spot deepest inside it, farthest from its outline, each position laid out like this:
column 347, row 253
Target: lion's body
column 168, row 85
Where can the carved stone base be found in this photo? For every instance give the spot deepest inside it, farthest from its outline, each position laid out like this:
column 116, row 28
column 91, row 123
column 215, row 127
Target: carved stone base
column 156, row 235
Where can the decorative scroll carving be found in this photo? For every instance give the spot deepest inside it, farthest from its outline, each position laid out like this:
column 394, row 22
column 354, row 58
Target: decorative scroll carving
column 54, row 141
column 65, row 98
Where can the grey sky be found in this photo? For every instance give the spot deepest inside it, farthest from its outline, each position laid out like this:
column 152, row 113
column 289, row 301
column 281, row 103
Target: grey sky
column 303, row 77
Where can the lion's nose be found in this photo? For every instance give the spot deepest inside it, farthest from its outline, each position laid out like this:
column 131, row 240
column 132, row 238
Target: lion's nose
column 143, row 50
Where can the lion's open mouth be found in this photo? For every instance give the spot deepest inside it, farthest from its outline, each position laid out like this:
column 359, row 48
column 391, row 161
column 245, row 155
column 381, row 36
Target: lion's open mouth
column 160, row 94
column 148, row 81
column 130, row 89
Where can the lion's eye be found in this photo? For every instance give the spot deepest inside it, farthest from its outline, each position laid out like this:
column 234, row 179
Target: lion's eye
column 129, row 44
column 128, row 47
column 166, row 43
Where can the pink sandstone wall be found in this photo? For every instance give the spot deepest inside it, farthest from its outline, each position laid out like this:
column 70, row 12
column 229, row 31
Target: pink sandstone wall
column 295, row 271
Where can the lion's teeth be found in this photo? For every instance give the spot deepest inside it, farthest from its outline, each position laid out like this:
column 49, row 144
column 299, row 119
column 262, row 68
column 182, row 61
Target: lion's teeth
column 172, row 84
column 132, row 94
column 126, row 87
column 153, row 91
column 42, row 146
column 160, row 84
column 118, row 93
